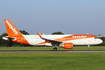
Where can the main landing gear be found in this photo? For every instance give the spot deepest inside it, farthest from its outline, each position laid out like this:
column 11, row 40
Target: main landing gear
column 54, row 49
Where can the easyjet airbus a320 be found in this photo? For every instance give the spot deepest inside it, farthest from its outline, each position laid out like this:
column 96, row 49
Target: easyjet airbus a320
column 65, row 41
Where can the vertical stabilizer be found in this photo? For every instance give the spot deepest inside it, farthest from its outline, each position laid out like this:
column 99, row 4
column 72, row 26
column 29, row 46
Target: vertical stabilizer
column 14, row 34
column 11, row 29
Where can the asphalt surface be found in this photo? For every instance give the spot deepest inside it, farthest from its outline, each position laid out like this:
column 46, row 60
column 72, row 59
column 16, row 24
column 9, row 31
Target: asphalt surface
column 74, row 51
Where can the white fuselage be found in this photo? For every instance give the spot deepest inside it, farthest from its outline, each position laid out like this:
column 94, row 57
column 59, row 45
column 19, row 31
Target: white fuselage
column 35, row 39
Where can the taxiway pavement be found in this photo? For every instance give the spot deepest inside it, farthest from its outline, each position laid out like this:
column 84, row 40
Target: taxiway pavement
column 38, row 51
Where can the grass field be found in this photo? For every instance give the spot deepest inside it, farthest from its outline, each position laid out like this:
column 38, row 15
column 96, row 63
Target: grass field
column 52, row 61
column 50, row 48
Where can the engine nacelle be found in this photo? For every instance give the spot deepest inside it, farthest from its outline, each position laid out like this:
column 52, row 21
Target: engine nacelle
column 67, row 45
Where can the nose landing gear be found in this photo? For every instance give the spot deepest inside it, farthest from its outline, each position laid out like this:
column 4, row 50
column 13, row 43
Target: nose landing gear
column 89, row 47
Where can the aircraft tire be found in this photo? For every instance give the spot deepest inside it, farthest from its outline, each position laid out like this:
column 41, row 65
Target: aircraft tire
column 54, row 49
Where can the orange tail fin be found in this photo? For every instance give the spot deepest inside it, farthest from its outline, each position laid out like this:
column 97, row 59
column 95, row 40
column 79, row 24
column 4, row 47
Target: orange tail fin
column 14, row 34
column 11, row 29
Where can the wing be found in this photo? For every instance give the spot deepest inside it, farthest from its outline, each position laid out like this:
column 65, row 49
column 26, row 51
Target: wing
column 53, row 42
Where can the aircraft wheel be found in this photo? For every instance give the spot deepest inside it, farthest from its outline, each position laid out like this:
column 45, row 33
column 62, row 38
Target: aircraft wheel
column 54, row 49
column 89, row 49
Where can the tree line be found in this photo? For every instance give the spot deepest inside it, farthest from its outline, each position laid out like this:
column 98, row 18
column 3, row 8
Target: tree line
column 6, row 43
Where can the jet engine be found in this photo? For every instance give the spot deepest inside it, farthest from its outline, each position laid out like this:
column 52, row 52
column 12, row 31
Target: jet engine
column 66, row 45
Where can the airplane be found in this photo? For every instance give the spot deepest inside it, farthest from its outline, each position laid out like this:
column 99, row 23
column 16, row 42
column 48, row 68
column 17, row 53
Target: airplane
column 65, row 41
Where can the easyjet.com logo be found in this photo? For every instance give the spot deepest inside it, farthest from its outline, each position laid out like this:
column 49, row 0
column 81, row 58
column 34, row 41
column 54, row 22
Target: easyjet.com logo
column 12, row 28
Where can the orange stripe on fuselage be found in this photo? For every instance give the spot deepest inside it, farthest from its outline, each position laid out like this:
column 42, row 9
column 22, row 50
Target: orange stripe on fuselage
column 43, row 43
column 75, row 37
column 71, row 37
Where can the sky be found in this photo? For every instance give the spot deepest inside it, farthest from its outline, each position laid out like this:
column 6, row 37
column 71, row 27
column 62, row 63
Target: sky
column 48, row 16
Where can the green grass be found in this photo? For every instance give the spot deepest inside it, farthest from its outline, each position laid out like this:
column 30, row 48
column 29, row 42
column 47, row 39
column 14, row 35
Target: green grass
column 50, row 48
column 52, row 61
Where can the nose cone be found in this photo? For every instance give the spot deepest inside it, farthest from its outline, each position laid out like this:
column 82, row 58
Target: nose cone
column 100, row 41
